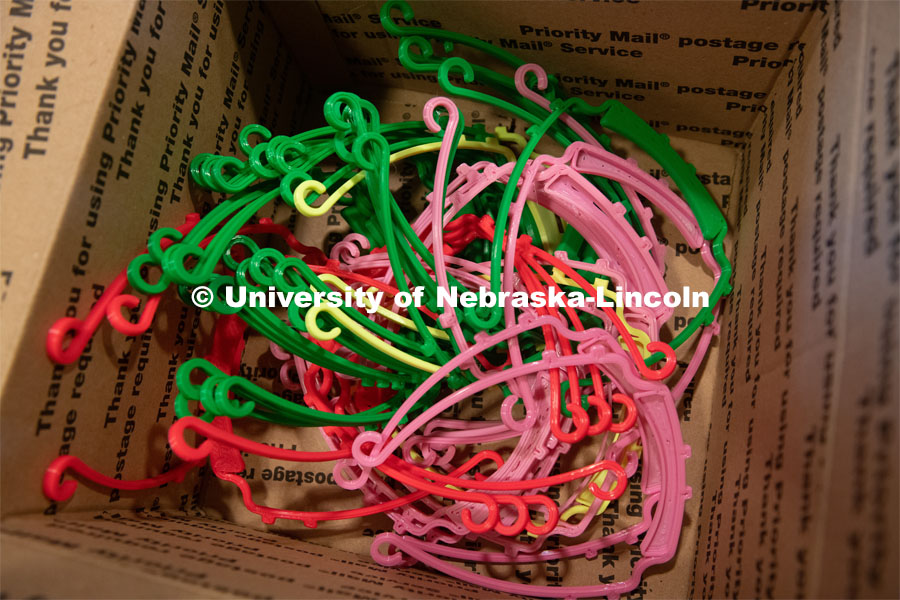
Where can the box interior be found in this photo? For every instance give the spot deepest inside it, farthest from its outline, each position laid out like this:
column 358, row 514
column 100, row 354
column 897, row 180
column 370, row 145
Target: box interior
column 787, row 109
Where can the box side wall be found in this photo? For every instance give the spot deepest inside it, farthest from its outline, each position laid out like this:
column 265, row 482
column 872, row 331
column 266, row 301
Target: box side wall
column 692, row 68
column 187, row 78
column 774, row 520
column 46, row 120
column 859, row 538
column 155, row 555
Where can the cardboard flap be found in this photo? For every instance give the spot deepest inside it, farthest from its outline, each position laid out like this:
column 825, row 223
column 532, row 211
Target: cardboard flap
column 148, row 554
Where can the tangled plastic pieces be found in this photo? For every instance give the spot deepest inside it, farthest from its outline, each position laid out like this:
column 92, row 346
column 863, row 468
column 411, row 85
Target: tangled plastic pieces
column 390, row 387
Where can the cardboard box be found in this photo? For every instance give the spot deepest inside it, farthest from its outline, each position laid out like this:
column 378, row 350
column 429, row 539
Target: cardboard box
column 789, row 110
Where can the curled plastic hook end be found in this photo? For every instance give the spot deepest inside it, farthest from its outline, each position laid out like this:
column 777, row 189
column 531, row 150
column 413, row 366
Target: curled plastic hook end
column 385, row 14
column 522, row 85
column 516, row 527
column 302, row 191
column 552, row 516
column 54, row 487
column 580, row 421
column 616, row 490
column 667, row 368
column 605, row 412
column 385, row 550
column 430, row 110
column 59, row 332
column 60, row 491
column 179, row 444
column 489, row 523
column 121, row 324
column 349, row 482
column 313, row 327
column 366, row 449
column 459, row 64
column 509, row 420
column 630, row 414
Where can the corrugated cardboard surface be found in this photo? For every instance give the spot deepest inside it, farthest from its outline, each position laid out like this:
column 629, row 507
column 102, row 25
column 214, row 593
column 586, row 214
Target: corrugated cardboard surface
column 793, row 420
column 171, row 80
column 38, row 89
column 863, row 467
column 692, row 68
column 171, row 555
column 800, row 487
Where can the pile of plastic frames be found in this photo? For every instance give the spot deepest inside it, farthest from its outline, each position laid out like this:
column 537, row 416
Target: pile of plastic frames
column 576, row 378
